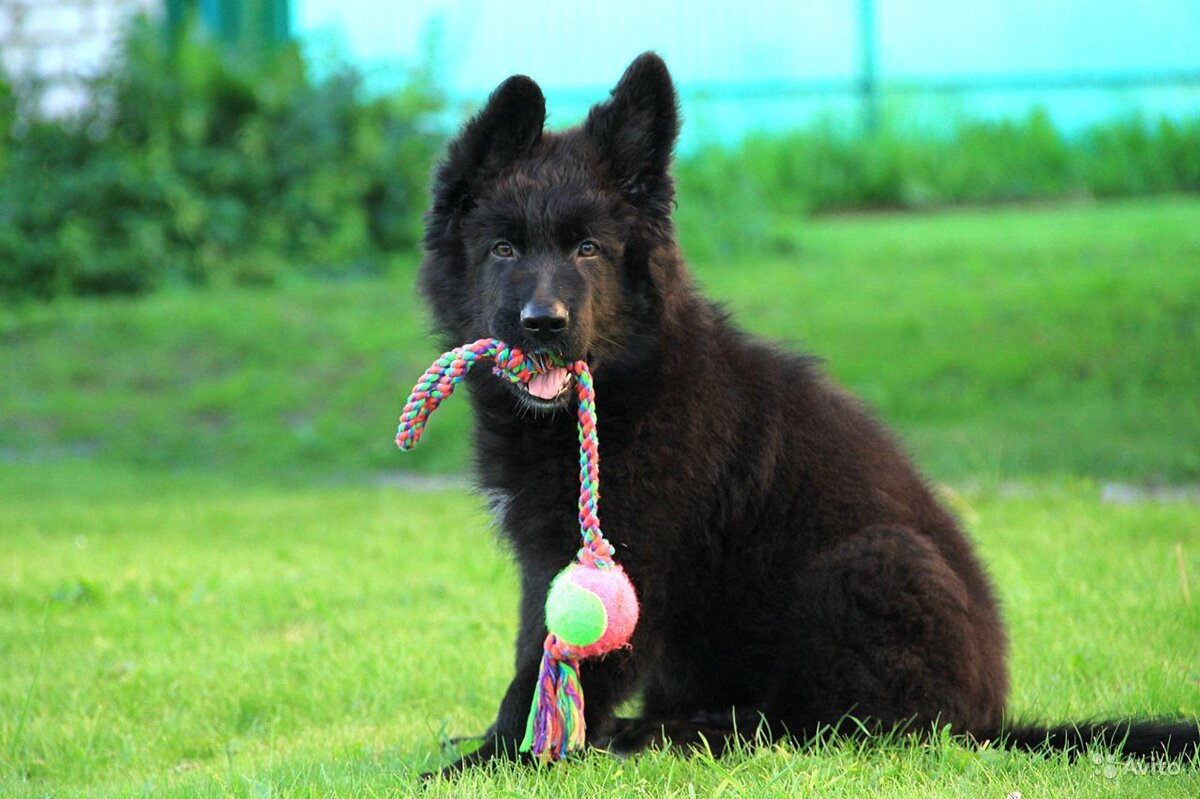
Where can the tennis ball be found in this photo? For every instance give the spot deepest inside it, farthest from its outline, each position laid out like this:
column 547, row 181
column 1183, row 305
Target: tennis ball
column 593, row 610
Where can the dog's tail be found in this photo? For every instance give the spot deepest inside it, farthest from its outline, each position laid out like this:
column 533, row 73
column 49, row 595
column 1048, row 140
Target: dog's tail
column 1169, row 739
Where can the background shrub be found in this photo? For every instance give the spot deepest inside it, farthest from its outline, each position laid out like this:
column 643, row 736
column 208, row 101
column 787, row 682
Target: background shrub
column 740, row 199
column 197, row 165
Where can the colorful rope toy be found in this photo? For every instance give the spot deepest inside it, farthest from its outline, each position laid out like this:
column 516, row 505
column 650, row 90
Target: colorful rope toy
column 591, row 607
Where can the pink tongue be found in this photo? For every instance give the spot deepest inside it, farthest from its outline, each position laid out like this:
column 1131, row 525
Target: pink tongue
column 548, row 384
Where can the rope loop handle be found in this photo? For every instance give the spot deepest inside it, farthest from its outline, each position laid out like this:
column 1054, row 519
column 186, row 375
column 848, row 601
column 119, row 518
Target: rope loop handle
column 556, row 719
column 444, row 375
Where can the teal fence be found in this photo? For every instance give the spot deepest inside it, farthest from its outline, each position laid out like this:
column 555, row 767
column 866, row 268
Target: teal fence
column 744, row 67
column 251, row 24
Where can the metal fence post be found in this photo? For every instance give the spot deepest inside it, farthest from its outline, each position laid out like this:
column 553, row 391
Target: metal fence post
column 868, row 77
column 252, row 24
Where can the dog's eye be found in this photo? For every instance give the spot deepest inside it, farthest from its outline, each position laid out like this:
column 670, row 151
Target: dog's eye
column 502, row 249
column 589, row 249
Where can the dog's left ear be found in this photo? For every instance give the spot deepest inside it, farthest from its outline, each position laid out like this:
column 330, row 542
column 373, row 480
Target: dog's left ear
column 635, row 132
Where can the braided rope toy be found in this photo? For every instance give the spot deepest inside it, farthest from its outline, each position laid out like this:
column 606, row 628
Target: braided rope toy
column 591, row 607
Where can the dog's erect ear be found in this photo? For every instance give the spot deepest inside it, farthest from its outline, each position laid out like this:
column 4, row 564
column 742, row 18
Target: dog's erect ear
column 635, row 130
column 510, row 124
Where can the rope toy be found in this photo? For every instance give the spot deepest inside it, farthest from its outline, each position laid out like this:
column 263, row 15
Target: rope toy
column 591, row 607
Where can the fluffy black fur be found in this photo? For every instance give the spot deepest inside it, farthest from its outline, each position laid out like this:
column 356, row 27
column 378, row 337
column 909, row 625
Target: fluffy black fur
column 793, row 568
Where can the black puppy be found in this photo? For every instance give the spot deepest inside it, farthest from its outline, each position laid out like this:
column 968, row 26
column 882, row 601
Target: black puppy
column 792, row 566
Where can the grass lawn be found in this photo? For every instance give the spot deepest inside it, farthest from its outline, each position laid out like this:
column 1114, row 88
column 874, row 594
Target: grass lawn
column 209, row 586
column 189, row 637
column 1006, row 342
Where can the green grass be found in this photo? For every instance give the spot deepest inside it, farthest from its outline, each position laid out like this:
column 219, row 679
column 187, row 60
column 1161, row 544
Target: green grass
column 1007, row 342
column 189, row 637
column 1012, row 341
column 212, row 587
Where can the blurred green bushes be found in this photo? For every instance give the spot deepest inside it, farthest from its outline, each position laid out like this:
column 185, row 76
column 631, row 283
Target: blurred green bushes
column 745, row 199
column 197, row 165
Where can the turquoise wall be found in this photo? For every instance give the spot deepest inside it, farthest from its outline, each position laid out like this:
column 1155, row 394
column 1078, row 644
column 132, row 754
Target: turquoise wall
column 750, row 66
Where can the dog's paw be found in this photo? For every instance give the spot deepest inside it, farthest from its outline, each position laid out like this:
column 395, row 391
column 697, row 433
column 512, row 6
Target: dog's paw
column 493, row 750
column 635, row 735
column 629, row 736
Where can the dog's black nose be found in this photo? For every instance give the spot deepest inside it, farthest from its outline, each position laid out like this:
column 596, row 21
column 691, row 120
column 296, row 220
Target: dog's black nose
column 542, row 320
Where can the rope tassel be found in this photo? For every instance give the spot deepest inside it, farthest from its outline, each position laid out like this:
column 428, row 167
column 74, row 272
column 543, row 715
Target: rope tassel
column 556, row 726
column 591, row 607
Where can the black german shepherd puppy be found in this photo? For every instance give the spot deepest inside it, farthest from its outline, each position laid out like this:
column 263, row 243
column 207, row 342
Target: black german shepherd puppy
column 793, row 568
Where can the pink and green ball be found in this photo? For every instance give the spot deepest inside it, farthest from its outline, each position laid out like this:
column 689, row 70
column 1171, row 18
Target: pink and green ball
column 593, row 610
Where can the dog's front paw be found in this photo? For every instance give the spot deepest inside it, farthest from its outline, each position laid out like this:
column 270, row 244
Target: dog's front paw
column 634, row 735
column 494, row 748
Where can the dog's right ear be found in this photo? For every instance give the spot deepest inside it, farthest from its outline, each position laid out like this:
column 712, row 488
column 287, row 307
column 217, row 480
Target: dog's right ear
column 510, row 124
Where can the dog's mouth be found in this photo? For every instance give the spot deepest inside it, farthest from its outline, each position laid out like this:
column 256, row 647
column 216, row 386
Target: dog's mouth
column 548, row 390
column 549, row 385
